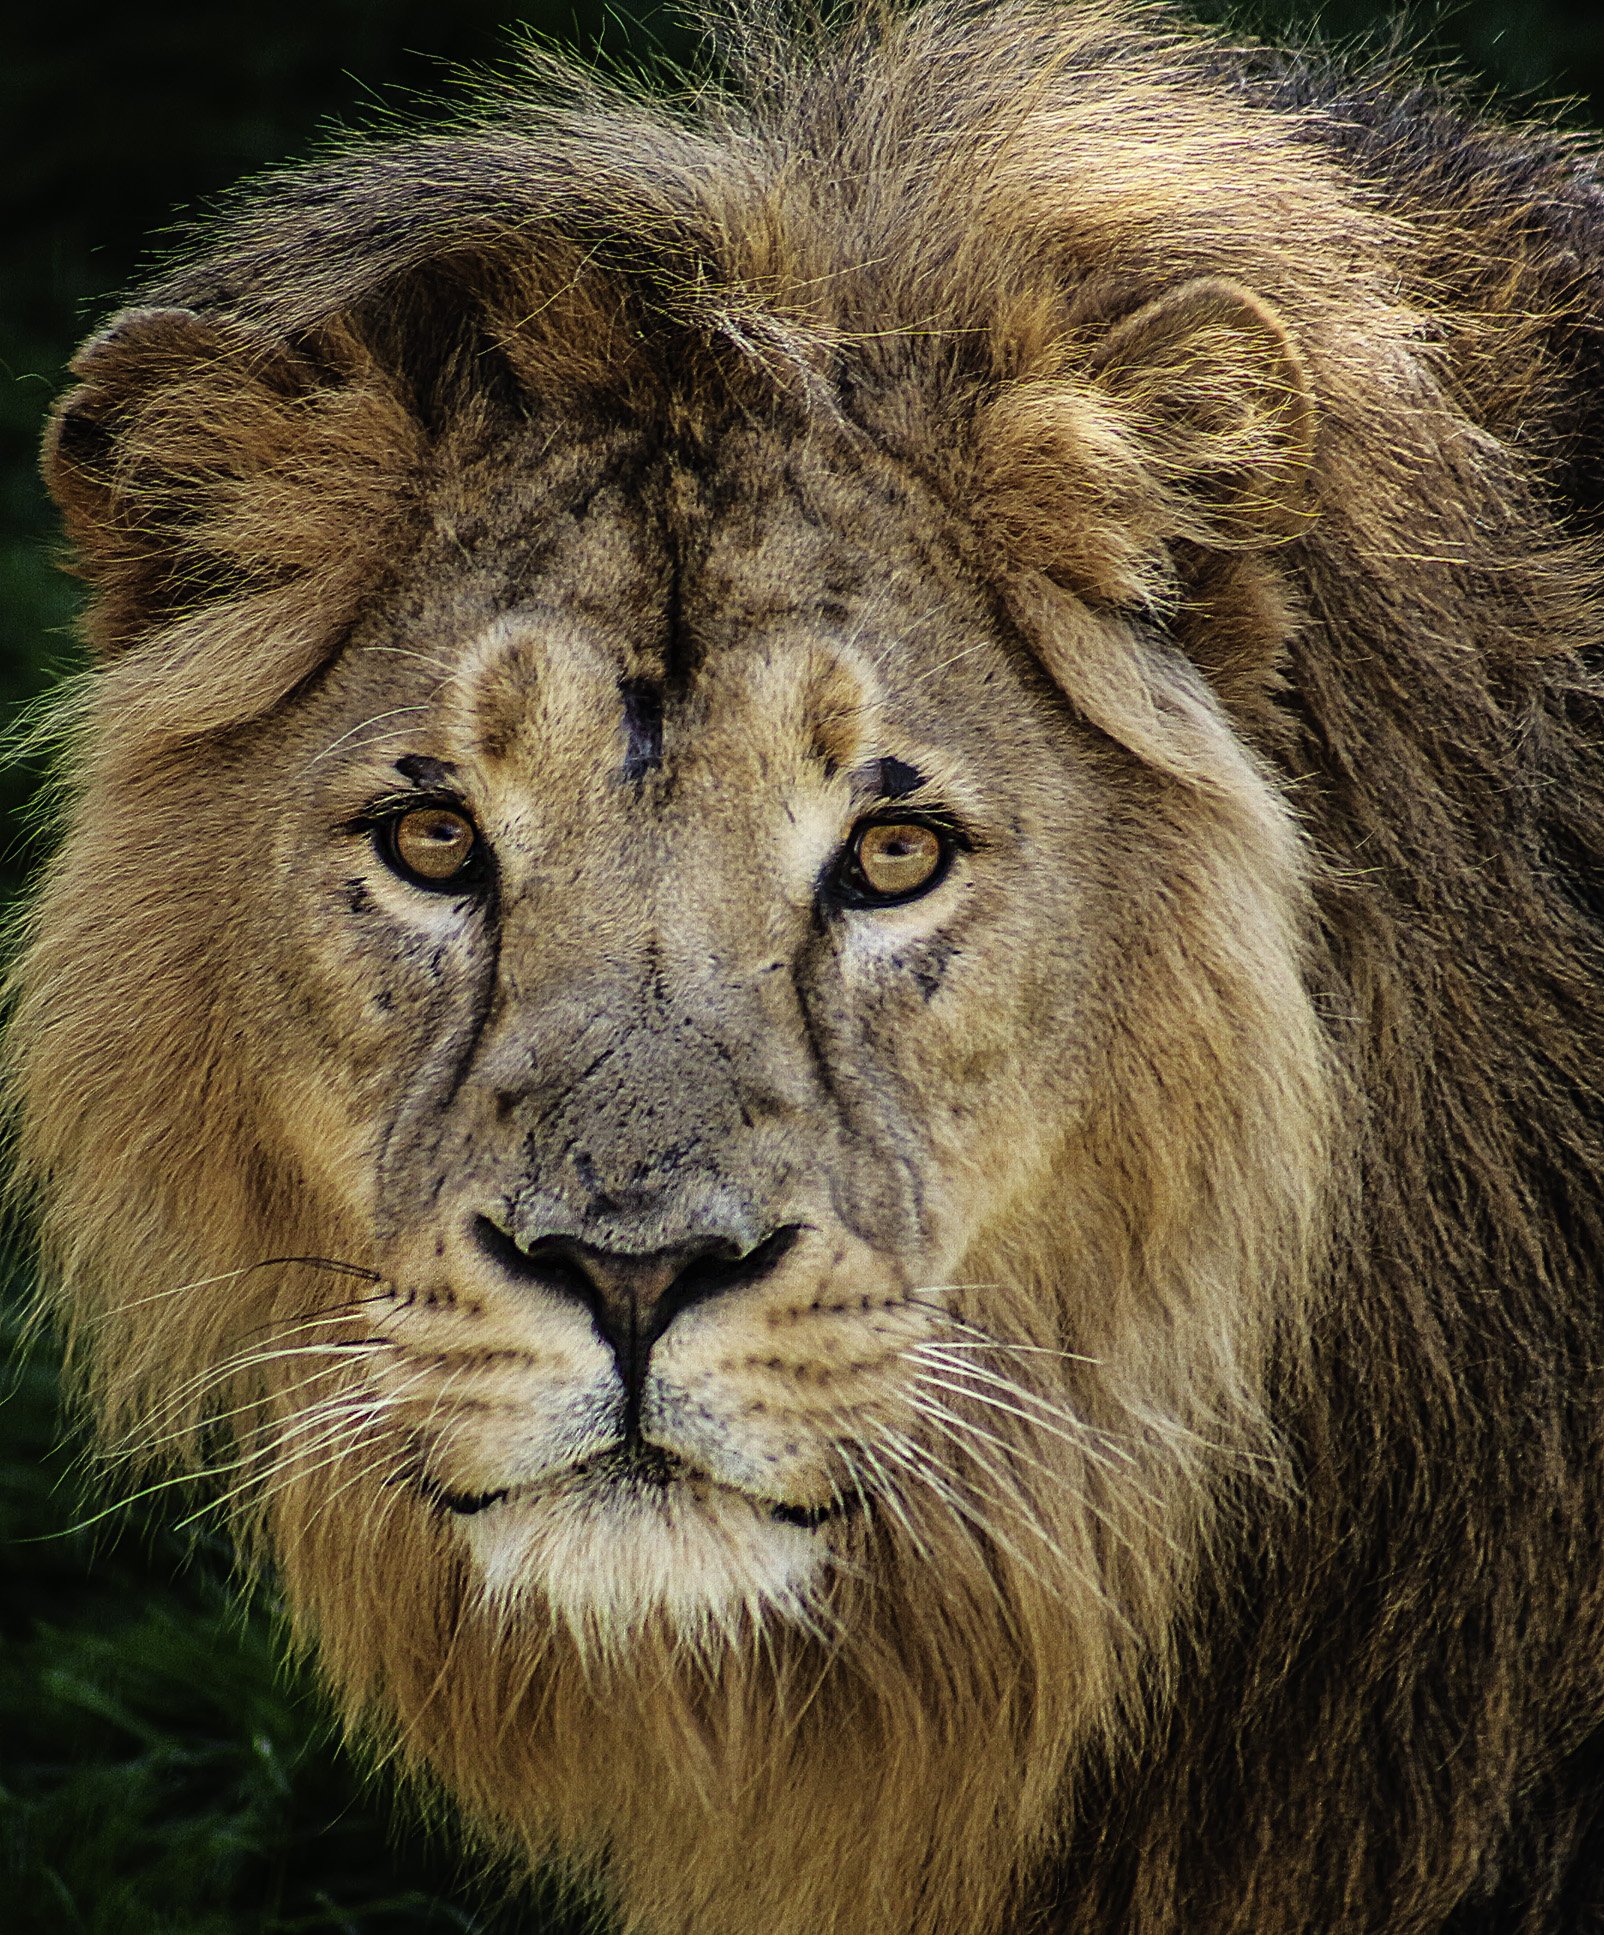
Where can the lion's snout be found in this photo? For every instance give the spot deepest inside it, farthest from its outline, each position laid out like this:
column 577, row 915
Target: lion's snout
column 632, row 1296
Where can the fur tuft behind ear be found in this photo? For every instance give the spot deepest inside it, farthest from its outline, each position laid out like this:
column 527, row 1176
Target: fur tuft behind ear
column 1189, row 425
column 198, row 464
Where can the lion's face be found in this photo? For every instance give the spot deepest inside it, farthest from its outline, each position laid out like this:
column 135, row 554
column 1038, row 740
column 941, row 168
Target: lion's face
column 686, row 1130
column 758, row 1010
column 707, row 1056
column 707, row 1109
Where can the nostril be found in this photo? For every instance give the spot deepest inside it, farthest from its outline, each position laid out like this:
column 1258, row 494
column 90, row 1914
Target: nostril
column 722, row 1267
column 550, row 1261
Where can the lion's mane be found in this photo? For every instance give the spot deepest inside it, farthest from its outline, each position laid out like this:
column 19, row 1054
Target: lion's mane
column 1356, row 1676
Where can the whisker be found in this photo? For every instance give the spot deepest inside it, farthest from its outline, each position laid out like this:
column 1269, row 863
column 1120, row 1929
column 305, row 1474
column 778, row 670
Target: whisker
column 920, row 1301
column 957, row 1430
column 279, row 1472
column 339, row 1419
column 316, row 1430
column 194, row 1390
column 989, row 1343
column 383, row 1455
column 331, row 1264
column 1047, row 1416
column 363, row 725
column 1150, row 1502
column 424, row 658
column 279, row 1330
column 130, row 1499
column 915, row 1461
column 890, row 1497
column 1109, row 1439
column 968, row 1515
column 1127, row 1484
column 212, row 1420
column 975, row 1435
column 1148, row 1517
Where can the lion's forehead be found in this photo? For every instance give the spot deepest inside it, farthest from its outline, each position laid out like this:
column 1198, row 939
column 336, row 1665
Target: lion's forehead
column 652, row 639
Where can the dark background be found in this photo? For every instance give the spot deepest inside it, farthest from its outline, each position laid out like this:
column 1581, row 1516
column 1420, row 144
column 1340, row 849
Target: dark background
column 159, row 1769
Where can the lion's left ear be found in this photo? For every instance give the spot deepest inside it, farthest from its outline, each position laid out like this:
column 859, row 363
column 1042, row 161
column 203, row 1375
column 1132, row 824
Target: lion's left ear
column 1189, row 424
column 1218, row 396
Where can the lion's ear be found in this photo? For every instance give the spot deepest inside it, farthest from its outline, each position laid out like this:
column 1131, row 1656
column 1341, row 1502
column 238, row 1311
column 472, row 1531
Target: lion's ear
column 1146, row 476
column 112, row 484
column 1185, row 431
column 198, row 463
column 1216, row 393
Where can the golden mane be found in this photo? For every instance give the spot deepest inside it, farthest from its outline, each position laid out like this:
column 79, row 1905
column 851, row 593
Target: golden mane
column 1262, row 403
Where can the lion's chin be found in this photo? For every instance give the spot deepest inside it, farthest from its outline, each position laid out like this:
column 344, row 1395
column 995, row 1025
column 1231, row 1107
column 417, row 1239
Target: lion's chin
column 613, row 1556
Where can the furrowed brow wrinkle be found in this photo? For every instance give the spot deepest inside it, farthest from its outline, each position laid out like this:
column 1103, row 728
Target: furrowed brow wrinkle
column 643, row 727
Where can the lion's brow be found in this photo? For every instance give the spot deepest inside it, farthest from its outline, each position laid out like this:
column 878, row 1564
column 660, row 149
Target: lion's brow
column 896, row 779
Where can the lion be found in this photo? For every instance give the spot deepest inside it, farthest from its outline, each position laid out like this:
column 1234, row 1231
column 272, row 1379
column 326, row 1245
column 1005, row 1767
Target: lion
column 821, row 1002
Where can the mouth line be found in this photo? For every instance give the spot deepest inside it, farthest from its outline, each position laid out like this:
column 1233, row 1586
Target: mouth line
column 461, row 1504
column 643, row 1466
column 810, row 1517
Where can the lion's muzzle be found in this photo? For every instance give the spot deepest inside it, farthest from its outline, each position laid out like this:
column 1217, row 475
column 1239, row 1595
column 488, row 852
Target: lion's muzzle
column 633, row 1296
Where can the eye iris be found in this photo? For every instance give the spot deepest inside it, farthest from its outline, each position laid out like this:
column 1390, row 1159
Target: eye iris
column 898, row 859
column 433, row 842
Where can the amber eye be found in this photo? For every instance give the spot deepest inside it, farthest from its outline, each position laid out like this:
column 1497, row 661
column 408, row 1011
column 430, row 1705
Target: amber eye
column 432, row 846
column 892, row 860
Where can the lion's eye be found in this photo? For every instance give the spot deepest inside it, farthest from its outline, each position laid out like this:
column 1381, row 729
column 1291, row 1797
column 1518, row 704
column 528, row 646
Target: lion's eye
column 892, row 860
column 432, row 846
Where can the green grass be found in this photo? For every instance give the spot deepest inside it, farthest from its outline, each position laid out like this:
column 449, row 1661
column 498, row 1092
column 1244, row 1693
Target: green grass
column 162, row 1772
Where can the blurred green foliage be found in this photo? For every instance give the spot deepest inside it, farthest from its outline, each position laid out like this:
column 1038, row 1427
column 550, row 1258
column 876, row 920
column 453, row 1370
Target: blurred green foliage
column 161, row 1771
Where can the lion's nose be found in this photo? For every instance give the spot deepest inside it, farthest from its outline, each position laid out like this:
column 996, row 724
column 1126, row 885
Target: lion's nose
column 634, row 1295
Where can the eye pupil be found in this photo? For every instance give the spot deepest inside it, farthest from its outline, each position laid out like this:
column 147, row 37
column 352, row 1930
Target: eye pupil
column 432, row 844
column 898, row 859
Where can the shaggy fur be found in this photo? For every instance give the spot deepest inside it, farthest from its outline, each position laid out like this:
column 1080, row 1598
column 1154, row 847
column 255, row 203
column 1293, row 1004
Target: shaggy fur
column 1151, row 1478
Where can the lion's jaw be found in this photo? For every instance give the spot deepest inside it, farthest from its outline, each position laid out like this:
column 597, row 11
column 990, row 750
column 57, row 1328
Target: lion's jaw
column 714, row 1497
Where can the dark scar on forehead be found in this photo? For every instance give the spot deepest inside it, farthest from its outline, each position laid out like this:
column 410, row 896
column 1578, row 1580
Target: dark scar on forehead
column 643, row 727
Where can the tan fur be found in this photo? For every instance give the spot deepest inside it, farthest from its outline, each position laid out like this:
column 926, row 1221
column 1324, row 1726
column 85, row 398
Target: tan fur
column 1017, row 397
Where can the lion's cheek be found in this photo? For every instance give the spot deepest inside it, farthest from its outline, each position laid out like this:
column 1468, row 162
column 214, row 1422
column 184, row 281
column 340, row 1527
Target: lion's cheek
column 981, row 1079
column 312, row 1122
column 776, row 1398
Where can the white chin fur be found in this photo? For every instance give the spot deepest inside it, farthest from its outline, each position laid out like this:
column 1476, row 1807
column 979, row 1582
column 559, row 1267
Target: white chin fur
column 706, row 1563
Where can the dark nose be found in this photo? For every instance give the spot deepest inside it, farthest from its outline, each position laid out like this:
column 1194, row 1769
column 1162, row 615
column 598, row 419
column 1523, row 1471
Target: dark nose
column 634, row 1295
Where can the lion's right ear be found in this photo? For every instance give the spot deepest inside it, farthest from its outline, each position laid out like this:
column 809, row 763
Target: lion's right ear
column 198, row 463
column 126, row 362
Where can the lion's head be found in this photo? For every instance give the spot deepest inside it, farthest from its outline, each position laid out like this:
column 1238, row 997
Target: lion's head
column 682, row 1028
